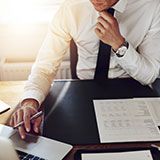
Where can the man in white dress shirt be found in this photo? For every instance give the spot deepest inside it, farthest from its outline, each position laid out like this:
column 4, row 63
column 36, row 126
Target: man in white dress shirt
column 133, row 33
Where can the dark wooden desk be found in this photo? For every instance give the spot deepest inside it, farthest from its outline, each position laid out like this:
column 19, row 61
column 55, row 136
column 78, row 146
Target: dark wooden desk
column 69, row 112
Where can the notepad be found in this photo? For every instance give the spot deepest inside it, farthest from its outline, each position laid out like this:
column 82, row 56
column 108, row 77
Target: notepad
column 3, row 107
column 134, row 155
column 125, row 121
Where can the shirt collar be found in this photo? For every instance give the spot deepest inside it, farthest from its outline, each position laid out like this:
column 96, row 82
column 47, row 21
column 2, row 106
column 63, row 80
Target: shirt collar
column 120, row 6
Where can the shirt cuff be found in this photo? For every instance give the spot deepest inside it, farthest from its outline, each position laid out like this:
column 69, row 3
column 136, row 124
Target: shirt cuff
column 129, row 61
column 32, row 94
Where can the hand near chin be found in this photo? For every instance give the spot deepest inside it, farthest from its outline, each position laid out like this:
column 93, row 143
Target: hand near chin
column 107, row 29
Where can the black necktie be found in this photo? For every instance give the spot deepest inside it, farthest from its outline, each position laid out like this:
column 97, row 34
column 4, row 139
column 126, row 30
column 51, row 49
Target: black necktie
column 103, row 60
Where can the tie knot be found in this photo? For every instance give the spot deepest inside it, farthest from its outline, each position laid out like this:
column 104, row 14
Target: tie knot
column 111, row 11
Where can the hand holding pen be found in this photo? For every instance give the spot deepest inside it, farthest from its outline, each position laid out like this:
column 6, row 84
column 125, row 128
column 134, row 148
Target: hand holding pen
column 25, row 116
column 38, row 114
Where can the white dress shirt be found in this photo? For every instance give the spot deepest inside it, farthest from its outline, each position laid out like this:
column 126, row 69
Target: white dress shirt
column 139, row 22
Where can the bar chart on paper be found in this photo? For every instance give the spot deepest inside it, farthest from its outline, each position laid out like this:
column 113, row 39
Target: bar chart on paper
column 125, row 121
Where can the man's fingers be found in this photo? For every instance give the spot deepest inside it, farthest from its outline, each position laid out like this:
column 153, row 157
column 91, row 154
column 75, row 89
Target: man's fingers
column 108, row 17
column 26, row 117
column 100, row 27
column 22, row 132
column 36, row 124
column 104, row 23
column 15, row 119
column 98, row 33
column 24, row 113
column 11, row 121
column 20, row 119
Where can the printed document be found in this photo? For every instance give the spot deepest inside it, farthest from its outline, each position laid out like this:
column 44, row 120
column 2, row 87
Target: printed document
column 154, row 107
column 136, row 155
column 125, row 121
column 3, row 107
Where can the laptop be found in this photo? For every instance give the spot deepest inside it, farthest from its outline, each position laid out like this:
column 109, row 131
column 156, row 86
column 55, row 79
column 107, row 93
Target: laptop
column 6, row 145
column 34, row 147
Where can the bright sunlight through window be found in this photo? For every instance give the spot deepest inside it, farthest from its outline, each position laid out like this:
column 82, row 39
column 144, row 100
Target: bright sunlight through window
column 26, row 11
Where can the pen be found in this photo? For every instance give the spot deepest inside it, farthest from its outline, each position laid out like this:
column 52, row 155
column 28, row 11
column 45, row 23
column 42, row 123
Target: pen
column 38, row 114
column 155, row 146
column 5, row 110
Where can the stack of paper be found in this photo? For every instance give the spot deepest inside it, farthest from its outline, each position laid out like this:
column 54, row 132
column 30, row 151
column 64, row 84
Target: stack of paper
column 136, row 155
column 125, row 121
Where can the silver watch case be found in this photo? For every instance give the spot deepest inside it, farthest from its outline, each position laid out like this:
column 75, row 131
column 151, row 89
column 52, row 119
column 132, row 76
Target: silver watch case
column 122, row 50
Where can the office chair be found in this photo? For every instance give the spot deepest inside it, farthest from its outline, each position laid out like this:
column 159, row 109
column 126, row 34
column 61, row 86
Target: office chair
column 73, row 59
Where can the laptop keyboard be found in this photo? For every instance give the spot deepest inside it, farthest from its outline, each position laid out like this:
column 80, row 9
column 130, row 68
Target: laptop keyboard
column 26, row 156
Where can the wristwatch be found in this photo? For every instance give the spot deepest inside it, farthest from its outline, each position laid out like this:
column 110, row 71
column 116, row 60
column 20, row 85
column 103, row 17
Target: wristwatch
column 122, row 49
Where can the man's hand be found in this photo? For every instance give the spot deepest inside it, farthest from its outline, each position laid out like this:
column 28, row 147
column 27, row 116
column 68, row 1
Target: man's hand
column 27, row 109
column 107, row 29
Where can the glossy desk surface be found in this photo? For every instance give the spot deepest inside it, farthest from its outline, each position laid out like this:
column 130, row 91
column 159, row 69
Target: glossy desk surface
column 69, row 110
column 70, row 115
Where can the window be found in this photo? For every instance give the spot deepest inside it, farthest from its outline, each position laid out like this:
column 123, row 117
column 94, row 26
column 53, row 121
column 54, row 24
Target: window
column 23, row 26
column 27, row 11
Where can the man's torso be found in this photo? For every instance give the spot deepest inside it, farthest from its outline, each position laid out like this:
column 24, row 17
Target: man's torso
column 134, row 23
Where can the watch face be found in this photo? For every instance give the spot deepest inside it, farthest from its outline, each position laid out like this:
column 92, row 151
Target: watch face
column 121, row 51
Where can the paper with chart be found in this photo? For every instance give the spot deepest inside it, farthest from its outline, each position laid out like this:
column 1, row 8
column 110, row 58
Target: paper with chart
column 136, row 155
column 125, row 121
column 154, row 107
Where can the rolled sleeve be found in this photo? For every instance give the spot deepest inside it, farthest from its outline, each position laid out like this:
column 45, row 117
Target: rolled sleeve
column 50, row 56
column 34, row 94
